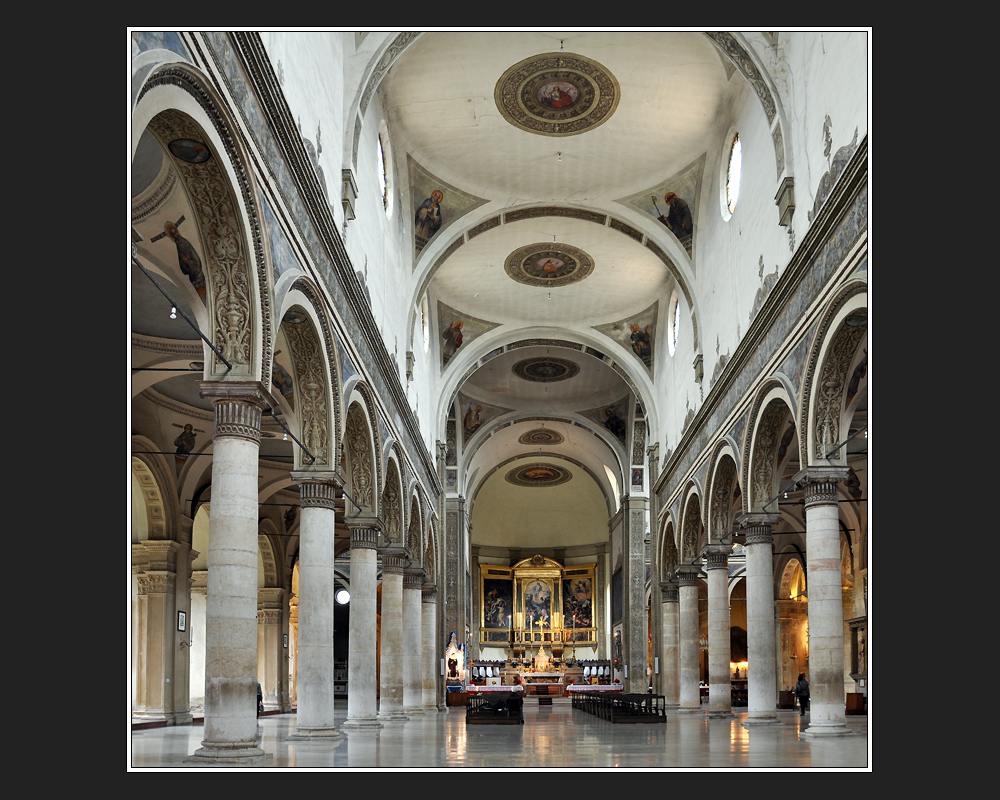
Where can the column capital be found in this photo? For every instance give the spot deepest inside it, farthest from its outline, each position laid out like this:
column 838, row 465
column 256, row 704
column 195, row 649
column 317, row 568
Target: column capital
column 428, row 593
column 238, row 406
column 393, row 561
column 717, row 556
column 821, row 484
column 757, row 527
column 318, row 489
column 413, row 578
column 669, row 592
column 364, row 532
column 688, row 574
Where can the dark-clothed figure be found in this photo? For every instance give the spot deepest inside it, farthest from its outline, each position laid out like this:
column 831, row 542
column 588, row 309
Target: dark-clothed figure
column 802, row 692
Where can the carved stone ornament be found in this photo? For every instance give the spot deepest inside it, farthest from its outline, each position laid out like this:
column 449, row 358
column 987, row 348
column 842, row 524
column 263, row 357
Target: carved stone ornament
column 237, row 408
column 722, row 497
column 233, row 307
column 557, row 94
column 548, row 265
column 832, row 387
column 312, row 390
column 391, row 512
column 361, row 465
column 692, row 531
column 764, row 454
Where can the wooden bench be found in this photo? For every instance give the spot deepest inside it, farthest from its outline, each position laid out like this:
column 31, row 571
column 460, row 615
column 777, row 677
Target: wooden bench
column 618, row 708
column 494, row 709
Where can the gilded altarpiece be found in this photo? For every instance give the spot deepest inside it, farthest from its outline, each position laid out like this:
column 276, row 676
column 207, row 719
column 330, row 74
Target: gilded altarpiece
column 538, row 602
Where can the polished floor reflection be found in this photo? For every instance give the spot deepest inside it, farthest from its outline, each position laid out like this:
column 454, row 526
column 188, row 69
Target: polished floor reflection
column 552, row 737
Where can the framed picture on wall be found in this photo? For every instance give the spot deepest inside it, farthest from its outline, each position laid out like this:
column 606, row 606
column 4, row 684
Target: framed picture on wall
column 182, row 620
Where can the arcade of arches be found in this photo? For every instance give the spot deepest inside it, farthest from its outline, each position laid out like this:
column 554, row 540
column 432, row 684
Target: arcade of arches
column 412, row 312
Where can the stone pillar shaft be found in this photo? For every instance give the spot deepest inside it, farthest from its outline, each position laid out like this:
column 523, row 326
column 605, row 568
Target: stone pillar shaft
column 826, row 604
column 670, row 668
column 720, row 697
column 362, row 658
column 690, row 697
column 428, row 613
column 231, row 606
column 391, row 672
column 412, row 639
column 316, row 589
column 761, row 653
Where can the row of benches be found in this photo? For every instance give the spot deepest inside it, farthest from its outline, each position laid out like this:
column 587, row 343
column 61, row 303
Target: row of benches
column 615, row 707
column 495, row 709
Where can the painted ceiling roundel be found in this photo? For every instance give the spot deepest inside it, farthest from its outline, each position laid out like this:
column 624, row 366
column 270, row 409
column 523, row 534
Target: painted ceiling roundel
column 539, row 475
column 557, row 94
column 545, row 369
column 539, row 436
column 548, row 265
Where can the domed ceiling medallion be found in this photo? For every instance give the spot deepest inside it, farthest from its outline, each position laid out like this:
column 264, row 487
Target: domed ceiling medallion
column 539, row 475
column 557, row 94
column 545, row 369
column 540, row 436
column 548, row 265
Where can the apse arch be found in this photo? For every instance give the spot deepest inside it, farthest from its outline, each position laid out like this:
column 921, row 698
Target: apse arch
column 479, row 353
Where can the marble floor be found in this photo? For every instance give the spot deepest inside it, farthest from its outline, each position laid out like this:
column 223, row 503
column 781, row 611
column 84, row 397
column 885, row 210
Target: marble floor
column 552, row 738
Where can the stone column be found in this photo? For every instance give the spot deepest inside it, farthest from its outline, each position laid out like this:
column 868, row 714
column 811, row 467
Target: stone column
column 720, row 691
column 270, row 663
column 314, row 718
column 429, row 663
column 761, row 659
column 361, row 660
column 670, row 668
column 390, row 707
column 231, row 608
column 157, row 632
column 412, row 641
column 687, row 580
column 826, row 606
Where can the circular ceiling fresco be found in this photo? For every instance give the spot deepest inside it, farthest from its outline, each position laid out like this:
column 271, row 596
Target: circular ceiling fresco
column 545, row 369
column 557, row 94
column 548, row 265
column 538, row 475
column 540, row 436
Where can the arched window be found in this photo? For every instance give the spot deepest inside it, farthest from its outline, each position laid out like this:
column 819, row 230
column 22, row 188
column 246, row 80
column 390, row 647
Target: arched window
column 733, row 173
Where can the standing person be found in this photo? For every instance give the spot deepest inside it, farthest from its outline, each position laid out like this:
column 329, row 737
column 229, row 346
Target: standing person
column 260, row 699
column 802, row 692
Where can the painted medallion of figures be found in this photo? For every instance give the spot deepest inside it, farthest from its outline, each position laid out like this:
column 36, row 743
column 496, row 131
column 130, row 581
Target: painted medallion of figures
column 541, row 436
column 545, row 369
column 547, row 265
column 557, row 94
column 538, row 475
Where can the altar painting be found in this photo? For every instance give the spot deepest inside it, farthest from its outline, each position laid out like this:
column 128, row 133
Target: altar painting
column 578, row 608
column 538, row 604
column 498, row 604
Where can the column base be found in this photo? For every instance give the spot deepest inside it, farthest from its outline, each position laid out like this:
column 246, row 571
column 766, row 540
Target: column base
column 357, row 724
column 313, row 735
column 829, row 730
column 396, row 715
column 761, row 722
column 417, row 711
column 719, row 714
column 241, row 753
column 689, row 710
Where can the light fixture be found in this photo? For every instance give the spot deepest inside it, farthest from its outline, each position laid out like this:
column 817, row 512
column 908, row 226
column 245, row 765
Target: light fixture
column 173, row 312
column 285, row 437
column 343, row 597
column 559, row 156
